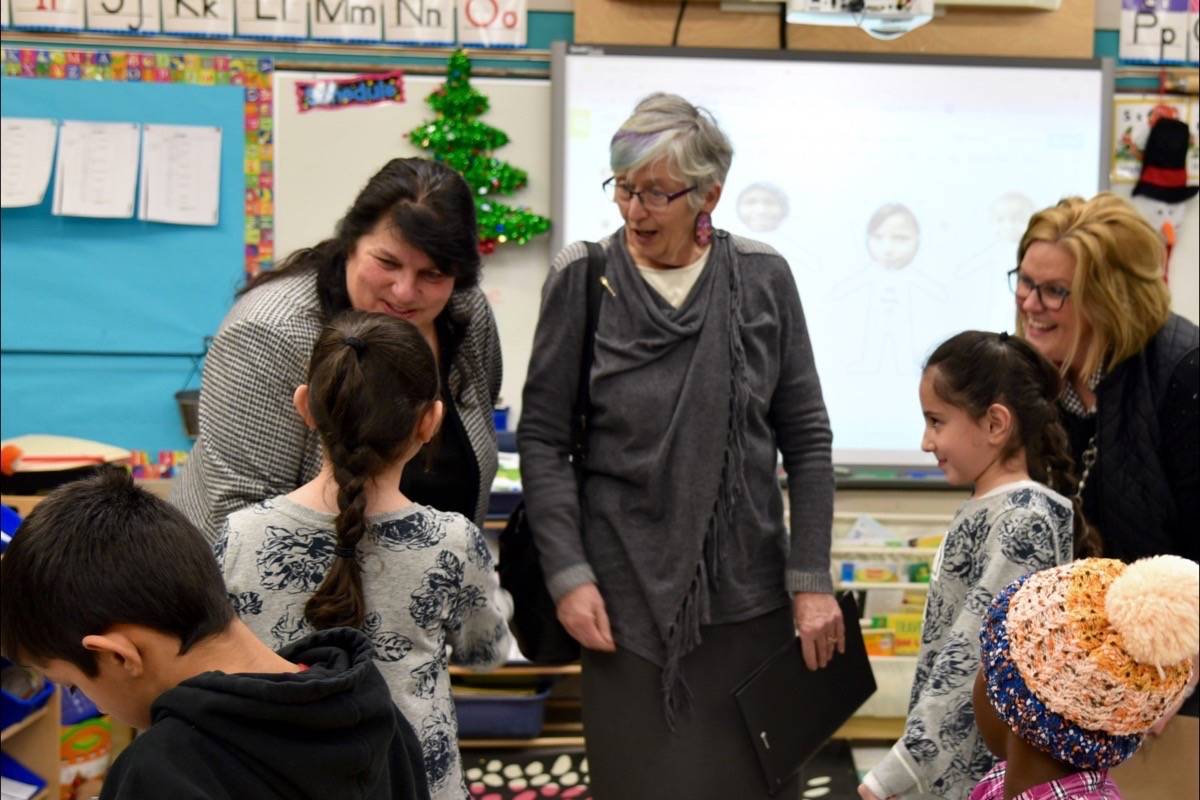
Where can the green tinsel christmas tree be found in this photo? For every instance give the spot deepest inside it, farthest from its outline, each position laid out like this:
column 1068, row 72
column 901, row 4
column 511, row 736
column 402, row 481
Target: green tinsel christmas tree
column 457, row 138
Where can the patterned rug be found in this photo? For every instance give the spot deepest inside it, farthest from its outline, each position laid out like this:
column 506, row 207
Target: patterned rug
column 525, row 775
column 522, row 775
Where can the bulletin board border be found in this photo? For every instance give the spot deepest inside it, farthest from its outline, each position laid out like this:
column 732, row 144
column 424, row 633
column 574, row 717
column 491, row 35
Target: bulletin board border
column 253, row 74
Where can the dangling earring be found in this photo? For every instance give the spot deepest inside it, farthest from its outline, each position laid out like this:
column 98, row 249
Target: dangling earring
column 704, row 229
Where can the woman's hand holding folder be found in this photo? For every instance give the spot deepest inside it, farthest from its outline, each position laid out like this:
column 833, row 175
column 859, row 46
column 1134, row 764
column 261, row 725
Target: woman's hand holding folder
column 819, row 625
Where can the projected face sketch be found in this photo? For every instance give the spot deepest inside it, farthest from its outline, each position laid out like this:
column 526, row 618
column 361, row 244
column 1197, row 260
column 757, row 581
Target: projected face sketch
column 762, row 207
column 1010, row 216
column 892, row 302
column 893, row 236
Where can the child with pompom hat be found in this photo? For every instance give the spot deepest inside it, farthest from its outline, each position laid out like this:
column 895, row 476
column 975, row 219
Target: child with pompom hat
column 1079, row 662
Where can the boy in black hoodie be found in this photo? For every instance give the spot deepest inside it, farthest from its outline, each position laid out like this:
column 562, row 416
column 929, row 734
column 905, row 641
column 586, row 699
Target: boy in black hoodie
column 108, row 589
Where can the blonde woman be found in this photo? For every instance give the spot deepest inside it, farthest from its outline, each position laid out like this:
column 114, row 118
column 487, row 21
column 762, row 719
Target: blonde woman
column 1091, row 297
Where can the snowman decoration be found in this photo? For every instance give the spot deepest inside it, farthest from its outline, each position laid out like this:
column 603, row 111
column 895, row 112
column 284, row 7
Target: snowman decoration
column 1162, row 191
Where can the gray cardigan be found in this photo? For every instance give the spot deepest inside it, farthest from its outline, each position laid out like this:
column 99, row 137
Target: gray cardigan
column 252, row 443
column 786, row 413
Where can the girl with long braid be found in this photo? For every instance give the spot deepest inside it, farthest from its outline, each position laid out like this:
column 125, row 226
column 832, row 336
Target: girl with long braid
column 991, row 420
column 349, row 549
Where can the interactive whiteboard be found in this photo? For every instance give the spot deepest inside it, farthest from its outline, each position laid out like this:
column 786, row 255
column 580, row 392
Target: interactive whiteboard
column 896, row 189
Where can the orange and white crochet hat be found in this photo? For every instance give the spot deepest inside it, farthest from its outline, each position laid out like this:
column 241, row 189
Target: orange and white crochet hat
column 1081, row 660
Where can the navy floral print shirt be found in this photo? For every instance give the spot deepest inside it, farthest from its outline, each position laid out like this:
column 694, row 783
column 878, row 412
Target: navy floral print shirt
column 432, row 596
column 1011, row 531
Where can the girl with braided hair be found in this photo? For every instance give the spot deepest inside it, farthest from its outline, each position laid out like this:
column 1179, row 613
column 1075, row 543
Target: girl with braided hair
column 349, row 549
column 991, row 419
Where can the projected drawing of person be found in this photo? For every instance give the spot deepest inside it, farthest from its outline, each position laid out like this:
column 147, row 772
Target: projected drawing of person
column 765, row 213
column 888, row 290
column 762, row 207
column 1009, row 214
column 980, row 279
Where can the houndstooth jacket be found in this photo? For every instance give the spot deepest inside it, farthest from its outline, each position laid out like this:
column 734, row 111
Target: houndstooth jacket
column 252, row 443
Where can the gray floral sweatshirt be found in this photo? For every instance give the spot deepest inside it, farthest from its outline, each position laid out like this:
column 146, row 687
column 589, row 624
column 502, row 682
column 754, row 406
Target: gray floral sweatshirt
column 1013, row 530
column 428, row 582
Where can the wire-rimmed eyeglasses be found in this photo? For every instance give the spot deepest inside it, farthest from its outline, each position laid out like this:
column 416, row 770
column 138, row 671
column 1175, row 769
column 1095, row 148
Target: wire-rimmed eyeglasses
column 651, row 199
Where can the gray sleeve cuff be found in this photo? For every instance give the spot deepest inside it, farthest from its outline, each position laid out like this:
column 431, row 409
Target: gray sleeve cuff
column 893, row 774
column 809, row 582
column 566, row 580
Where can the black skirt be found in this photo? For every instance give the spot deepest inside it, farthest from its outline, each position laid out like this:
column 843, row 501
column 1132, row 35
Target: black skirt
column 632, row 754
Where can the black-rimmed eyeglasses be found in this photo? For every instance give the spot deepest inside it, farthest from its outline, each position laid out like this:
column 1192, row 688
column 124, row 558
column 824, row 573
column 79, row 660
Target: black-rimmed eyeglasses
column 651, row 199
column 1050, row 295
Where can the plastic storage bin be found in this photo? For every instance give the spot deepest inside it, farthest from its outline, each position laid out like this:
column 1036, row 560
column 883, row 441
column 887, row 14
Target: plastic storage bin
column 13, row 709
column 501, row 716
column 15, row 770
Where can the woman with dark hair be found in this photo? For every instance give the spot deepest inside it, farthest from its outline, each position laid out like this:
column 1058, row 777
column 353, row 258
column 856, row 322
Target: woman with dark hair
column 406, row 248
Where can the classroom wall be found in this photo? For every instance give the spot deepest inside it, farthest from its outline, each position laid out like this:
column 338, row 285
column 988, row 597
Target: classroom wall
column 1064, row 33
column 366, row 137
column 513, row 277
column 80, row 295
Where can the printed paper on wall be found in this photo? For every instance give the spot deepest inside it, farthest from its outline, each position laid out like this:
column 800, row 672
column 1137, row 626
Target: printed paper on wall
column 26, row 158
column 492, row 23
column 124, row 16
column 1159, row 31
column 59, row 14
column 273, row 19
column 428, row 22
column 347, row 20
column 97, row 169
column 199, row 17
column 1132, row 117
column 181, row 174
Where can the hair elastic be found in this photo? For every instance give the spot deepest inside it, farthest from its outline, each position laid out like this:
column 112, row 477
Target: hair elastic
column 345, row 552
column 1003, row 336
column 358, row 344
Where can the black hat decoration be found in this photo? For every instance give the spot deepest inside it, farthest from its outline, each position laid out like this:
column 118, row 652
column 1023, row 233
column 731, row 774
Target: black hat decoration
column 1164, row 163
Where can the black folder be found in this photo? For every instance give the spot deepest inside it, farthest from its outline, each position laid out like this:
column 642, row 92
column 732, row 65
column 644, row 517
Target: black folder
column 791, row 712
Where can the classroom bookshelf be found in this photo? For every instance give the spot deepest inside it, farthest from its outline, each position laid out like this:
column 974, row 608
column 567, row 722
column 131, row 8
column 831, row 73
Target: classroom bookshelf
column 33, row 741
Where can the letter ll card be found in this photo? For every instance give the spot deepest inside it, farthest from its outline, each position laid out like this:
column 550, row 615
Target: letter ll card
column 273, row 19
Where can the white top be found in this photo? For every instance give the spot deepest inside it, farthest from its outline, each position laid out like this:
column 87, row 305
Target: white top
column 673, row 285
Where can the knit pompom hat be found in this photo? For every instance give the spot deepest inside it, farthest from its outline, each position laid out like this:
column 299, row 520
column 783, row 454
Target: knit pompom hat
column 1081, row 660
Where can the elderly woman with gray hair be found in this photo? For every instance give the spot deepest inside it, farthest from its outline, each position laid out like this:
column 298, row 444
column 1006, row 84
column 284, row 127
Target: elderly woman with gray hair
column 671, row 564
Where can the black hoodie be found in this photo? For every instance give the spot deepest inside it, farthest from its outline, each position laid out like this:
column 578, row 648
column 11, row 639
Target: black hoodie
column 330, row 732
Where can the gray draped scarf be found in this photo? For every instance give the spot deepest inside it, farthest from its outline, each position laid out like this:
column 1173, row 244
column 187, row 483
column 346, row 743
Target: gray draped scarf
column 666, row 447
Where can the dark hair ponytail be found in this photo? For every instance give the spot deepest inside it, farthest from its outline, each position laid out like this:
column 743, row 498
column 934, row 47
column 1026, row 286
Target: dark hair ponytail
column 370, row 381
column 976, row 369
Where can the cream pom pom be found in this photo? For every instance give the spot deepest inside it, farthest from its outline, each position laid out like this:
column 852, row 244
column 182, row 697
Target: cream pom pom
column 1155, row 607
